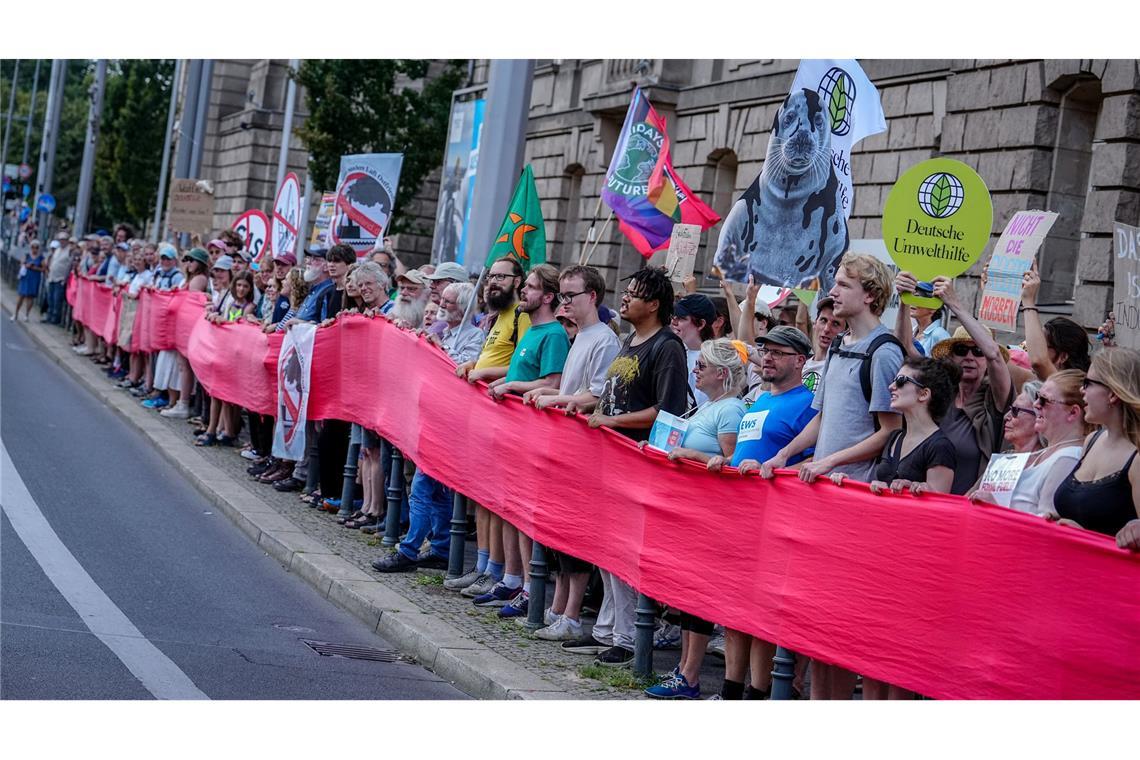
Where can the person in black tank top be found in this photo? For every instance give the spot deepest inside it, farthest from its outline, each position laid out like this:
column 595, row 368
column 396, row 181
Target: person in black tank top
column 1100, row 494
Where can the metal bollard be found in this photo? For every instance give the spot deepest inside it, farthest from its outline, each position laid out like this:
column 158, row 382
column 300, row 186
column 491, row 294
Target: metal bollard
column 538, row 576
column 395, row 495
column 457, row 547
column 783, row 671
column 643, row 637
column 348, row 490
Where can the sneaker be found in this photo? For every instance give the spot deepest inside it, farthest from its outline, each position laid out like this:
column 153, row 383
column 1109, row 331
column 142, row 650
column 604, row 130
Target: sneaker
column 395, row 562
column 500, row 595
column 82, row 350
column 550, row 617
column 250, row 454
column 479, row 586
column 177, row 412
column 667, row 636
column 677, row 687
column 562, row 629
column 431, row 561
column 615, row 657
column 716, row 645
column 463, row 581
column 125, row 383
column 587, row 644
column 518, row 608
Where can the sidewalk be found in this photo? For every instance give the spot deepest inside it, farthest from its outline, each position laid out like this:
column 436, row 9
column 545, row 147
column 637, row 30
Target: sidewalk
column 472, row 647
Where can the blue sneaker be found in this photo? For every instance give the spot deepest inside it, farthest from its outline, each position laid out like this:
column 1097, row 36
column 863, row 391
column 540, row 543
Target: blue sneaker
column 519, row 607
column 499, row 596
column 156, row 403
column 674, row 688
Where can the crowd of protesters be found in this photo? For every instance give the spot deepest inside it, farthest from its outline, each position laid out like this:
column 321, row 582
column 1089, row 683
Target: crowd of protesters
column 824, row 389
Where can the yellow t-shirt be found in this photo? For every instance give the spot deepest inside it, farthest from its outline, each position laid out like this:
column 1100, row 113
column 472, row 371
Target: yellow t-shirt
column 498, row 347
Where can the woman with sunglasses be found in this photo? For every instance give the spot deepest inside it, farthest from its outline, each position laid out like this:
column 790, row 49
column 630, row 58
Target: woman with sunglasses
column 1059, row 421
column 1102, row 492
column 1020, row 426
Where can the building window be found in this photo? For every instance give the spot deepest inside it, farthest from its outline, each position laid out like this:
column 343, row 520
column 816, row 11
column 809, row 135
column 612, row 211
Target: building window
column 569, row 249
column 720, row 176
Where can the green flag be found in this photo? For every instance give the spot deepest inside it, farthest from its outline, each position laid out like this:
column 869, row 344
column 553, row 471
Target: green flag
column 523, row 233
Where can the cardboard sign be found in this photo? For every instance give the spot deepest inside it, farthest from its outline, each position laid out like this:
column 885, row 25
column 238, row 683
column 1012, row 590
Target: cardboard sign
column 1012, row 258
column 191, row 207
column 668, row 431
column 1002, row 474
column 936, row 222
column 320, row 237
column 682, row 256
column 1126, row 296
column 287, row 215
column 253, row 228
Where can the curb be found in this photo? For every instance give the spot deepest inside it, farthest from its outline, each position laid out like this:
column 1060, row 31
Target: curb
column 437, row 646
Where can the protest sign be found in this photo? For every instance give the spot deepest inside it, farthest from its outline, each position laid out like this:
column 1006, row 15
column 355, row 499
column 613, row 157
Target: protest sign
column 253, row 228
column 286, row 216
column 320, row 236
column 1013, row 255
column 294, row 365
column 682, row 256
column 191, row 206
column 936, row 222
column 1126, row 296
column 1002, row 474
column 668, row 431
column 457, row 183
column 365, row 198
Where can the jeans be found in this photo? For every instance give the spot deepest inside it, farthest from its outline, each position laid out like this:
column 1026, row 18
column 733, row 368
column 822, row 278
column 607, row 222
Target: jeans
column 55, row 301
column 430, row 507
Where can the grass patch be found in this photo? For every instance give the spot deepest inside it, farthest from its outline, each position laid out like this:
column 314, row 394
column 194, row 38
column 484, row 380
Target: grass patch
column 372, row 541
column 617, row 678
column 424, row 579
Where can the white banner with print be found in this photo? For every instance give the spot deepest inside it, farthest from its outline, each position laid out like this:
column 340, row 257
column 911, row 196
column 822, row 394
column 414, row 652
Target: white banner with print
column 293, row 371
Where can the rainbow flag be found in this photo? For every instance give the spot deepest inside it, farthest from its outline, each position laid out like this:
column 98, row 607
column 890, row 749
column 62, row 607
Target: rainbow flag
column 645, row 192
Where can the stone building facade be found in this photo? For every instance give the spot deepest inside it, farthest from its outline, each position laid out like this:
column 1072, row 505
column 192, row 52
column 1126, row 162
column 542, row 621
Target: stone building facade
column 1060, row 135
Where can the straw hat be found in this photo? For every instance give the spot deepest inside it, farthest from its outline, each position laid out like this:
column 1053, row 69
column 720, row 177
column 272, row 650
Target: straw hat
column 943, row 348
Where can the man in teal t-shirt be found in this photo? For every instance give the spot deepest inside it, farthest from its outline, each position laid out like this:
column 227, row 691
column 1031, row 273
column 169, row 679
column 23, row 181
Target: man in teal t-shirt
column 536, row 363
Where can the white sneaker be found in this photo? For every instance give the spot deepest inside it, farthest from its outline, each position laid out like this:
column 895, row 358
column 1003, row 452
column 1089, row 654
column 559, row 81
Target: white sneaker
column 550, row 617
column 463, row 581
column 248, row 454
column 482, row 585
column 177, row 412
column 562, row 629
column 84, row 351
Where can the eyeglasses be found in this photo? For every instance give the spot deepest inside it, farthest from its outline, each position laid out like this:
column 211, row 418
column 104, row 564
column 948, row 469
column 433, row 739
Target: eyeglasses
column 1016, row 411
column 961, row 349
column 568, row 297
column 631, row 295
column 902, row 380
column 764, row 351
column 500, row 277
column 1089, row 381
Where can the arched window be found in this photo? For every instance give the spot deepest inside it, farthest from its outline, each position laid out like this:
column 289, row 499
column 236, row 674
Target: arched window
column 569, row 248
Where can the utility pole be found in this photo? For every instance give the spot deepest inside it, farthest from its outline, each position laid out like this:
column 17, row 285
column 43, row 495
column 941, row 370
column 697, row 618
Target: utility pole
column 200, row 115
column 48, row 142
column 31, row 113
column 87, row 172
column 287, row 128
column 156, row 230
column 11, row 113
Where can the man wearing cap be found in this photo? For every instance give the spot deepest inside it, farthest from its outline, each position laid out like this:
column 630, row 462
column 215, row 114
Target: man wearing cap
column 693, row 317
column 411, row 300
column 772, row 422
column 59, row 266
column 317, row 276
column 282, row 263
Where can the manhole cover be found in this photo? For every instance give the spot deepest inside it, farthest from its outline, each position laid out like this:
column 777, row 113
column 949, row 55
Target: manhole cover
column 293, row 628
column 349, row 651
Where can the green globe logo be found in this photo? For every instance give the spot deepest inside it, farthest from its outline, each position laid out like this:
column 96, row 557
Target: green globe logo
column 838, row 91
column 940, row 195
column 639, row 158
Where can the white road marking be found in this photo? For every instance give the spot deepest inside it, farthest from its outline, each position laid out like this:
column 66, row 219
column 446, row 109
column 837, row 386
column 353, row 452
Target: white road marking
column 147, row 663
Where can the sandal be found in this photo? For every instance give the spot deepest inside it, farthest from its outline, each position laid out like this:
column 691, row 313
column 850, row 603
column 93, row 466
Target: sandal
column 225, row 440
column 198, row 432
column 354, row 516
column 206, row 439
column 362, row 522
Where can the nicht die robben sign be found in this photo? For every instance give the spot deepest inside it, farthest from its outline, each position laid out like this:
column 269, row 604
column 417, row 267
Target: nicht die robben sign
column 936, row 222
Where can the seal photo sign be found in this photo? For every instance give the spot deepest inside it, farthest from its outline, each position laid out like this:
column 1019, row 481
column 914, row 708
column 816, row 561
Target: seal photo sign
column 788, row 228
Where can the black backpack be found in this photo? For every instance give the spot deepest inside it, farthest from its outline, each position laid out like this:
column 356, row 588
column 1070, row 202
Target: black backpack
column 837, row 349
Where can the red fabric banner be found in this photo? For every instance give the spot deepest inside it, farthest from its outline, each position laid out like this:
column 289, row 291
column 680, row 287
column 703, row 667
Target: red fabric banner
column 934, row 594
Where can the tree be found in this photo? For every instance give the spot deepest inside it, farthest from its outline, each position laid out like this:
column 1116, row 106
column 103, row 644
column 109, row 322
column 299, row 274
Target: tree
column 133, row 128
column 378, row 106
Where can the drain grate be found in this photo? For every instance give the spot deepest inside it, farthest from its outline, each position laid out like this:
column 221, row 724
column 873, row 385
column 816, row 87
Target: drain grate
column 325, row 649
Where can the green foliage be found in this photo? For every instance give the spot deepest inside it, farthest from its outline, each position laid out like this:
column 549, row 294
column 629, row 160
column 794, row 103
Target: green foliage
column 133, row 129
column 378, row 106
column 618, row 678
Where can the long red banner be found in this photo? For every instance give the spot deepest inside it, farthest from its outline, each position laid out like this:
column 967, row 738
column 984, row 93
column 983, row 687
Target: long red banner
column 933, row 594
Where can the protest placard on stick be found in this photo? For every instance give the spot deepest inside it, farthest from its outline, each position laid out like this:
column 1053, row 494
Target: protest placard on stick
column 191, row 206
column 1126, row 298
column 682, row 256
column 1013, row 255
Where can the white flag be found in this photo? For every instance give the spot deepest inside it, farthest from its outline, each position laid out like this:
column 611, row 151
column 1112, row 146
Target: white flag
column 852, row 106
column 293, row 366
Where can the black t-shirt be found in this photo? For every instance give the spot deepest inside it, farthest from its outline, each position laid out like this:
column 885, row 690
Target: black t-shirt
column 332, row 303
column 935, row 451
column 653, row 373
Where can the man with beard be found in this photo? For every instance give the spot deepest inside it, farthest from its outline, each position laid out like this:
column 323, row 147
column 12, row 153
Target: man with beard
column 503, row 282
column 317, row 277
column 772, row 422
column 411, row 300
column 536, row 363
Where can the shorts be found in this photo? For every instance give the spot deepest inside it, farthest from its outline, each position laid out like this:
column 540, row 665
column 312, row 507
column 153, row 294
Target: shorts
column 564, row 563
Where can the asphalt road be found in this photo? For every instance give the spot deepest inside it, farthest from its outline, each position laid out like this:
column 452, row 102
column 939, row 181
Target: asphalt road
column 162, row 589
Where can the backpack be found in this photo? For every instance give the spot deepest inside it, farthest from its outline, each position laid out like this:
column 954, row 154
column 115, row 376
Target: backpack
column 864, row 358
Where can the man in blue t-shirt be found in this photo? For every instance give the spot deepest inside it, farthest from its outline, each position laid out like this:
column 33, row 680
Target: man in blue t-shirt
column 780, row 414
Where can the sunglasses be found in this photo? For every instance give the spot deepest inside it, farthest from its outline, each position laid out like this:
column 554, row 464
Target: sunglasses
column 902, row 380
column 1089, row 381
column 1043, row 400
column 961, row 349
column 1017, row 411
